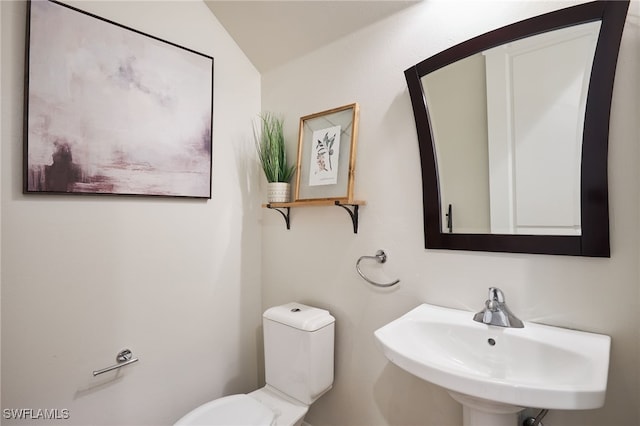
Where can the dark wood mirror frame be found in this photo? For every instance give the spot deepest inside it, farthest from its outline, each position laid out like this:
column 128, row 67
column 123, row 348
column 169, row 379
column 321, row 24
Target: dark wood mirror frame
column 594, row 240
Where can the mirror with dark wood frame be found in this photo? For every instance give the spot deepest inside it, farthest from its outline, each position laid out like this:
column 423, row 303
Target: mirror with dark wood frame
column 589, row 236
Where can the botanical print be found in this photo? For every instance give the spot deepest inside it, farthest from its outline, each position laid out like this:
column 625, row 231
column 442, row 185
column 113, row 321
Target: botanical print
column 112, row 110
column 324, row 156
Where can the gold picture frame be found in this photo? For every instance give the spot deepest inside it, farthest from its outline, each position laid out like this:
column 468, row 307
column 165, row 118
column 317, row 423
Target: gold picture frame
column 327, row 143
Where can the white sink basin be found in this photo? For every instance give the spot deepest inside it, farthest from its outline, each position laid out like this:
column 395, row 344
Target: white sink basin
column 535, row 366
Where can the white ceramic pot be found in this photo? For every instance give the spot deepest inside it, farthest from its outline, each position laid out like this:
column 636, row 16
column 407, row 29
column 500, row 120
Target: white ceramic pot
column 278, row 192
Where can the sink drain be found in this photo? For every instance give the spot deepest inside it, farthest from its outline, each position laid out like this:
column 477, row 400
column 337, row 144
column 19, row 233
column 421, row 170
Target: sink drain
column 491, row 342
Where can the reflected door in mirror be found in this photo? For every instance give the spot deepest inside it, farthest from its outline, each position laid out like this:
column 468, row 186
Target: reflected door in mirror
column 507, row 125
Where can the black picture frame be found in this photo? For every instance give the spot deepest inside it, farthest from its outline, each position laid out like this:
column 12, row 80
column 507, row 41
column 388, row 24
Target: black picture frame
column 112, row 110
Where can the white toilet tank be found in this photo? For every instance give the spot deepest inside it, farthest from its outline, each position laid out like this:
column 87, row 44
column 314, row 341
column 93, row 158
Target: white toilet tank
column 298, row 350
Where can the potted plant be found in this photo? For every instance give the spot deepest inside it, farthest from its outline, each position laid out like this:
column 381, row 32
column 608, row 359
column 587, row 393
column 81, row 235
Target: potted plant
column 272, row 154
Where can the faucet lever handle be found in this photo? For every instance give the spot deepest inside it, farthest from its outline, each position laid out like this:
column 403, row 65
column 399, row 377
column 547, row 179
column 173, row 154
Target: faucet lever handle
column 496, row 295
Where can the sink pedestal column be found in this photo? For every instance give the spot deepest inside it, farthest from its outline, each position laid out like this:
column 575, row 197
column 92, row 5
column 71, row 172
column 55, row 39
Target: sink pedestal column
column 481, row 412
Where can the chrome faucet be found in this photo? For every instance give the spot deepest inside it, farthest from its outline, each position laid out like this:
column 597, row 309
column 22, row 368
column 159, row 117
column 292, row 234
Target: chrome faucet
column 496, row 311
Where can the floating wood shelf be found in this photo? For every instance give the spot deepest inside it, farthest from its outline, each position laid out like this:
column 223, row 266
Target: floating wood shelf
column 352, row 207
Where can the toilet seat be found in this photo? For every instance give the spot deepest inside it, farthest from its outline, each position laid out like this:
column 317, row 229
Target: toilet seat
column 240, row 410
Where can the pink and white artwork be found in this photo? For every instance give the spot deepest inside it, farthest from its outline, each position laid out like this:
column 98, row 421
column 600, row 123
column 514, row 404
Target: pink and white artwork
column 110, row 110
column 323, row 168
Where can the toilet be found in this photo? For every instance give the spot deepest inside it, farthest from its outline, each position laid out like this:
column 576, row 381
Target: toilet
column 298, row 356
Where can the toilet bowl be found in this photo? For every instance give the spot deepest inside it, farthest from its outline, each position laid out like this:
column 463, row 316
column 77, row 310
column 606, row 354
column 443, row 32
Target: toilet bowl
column 231, row 410
column 298, row 352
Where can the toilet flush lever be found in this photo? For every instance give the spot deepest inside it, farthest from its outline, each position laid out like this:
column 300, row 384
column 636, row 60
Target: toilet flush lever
column 124, row 357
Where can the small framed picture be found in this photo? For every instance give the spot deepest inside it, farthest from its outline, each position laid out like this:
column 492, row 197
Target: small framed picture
column 327, row 155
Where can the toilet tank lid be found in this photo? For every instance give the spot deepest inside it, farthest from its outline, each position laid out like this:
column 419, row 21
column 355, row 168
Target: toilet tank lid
column 300, row 316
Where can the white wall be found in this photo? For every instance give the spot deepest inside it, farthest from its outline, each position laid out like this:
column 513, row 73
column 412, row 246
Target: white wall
column 457, row 100
column 1, row 120
column 314, row 261
column 176, row 281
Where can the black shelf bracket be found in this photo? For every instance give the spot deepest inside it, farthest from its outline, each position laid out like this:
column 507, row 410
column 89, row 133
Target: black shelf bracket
column 353, row 213
column 286, row 216
column 285, row 209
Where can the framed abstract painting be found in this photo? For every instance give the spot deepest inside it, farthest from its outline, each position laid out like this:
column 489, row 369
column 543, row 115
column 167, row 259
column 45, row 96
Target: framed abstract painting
column 111, row 110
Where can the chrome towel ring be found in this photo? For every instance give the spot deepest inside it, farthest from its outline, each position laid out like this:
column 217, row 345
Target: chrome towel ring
column 380, row 257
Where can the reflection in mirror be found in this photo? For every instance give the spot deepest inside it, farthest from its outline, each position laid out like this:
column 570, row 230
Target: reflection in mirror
column 514, row 166
column 513, row 132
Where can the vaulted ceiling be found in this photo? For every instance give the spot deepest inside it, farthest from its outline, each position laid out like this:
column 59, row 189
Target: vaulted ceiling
column 272, row 33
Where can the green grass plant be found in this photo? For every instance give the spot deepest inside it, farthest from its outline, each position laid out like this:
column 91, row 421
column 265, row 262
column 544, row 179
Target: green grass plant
column 271, row 149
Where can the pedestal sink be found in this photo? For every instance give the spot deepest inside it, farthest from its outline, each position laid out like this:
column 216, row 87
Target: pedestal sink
column 495, row 372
